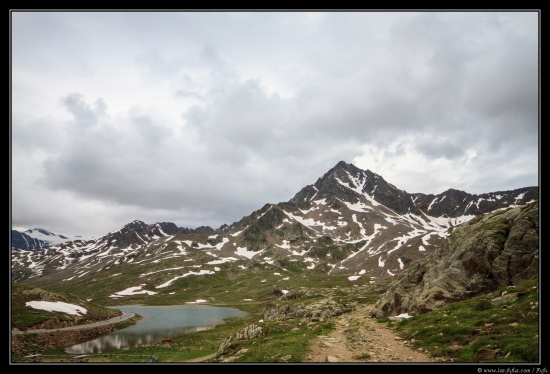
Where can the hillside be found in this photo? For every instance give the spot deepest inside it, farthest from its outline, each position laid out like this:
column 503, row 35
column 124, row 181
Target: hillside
column 37, row 308
column 485, row 307
column 349, row 222
column 494, row 250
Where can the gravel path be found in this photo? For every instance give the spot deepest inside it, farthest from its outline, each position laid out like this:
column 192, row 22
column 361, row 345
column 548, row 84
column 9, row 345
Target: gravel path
column 359, row 338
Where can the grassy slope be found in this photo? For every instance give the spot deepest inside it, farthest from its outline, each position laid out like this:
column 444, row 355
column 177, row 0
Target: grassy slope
column 464, row 330
column 458, row 331
column 24, row 317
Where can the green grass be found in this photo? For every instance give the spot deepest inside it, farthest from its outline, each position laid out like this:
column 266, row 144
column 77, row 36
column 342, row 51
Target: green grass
column 230, row 287
column 284, row 341
column 462, row 329
column 457, row 332
column 24, row 317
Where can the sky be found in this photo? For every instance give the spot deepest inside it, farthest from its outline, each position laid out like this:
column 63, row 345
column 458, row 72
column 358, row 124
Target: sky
column 201, row 118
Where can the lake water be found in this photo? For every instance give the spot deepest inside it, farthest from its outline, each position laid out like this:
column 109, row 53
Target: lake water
column 157, row 323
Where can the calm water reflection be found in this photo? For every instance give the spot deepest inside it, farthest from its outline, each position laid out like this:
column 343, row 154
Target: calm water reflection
column 157, row 323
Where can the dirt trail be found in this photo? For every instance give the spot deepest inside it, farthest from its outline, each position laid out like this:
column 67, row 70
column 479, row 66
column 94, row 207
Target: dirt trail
column 359, row 338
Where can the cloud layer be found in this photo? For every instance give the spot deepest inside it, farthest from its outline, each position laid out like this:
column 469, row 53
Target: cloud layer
column 201, row 118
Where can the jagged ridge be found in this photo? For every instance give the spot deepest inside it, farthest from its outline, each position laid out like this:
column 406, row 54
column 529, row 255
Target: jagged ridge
column 350, row 221
column 496, row 250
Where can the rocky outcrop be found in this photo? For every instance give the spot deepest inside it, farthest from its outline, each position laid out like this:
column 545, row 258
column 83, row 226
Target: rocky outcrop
column 324, row 308
column 22, row 241
column 499, row 249
column 327, row 307
column 248, row 333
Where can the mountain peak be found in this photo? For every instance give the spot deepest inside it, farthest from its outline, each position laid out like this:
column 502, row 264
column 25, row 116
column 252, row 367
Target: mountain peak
column 41, row 231
column 346, row 166
column 350, row 221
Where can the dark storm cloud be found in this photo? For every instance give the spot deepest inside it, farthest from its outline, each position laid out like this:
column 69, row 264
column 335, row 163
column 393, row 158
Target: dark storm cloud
column 201, row 118
column 437, row 147
column 83, row 114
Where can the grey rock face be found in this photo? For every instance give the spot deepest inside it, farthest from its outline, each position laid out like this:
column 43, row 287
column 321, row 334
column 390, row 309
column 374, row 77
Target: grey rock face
column 22, row 241
column 325, row 308
column 500, row 249
column 248, row 333
column 349, row 222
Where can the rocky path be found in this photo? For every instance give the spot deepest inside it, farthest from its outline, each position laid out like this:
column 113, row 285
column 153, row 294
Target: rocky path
column 359, row 338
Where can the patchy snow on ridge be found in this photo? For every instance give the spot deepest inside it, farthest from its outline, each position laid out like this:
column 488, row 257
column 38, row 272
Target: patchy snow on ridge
column 219, row 246
column 132, row 291
column 160, row 271
column 519, row 197
column 160, row 230
column 198, row 301
column 308, row 222
column 401, row 240
column 221, row 261
column 201, row 272
column 49, row 237
column 243, row 251
column 238, row 232
column 285, row 245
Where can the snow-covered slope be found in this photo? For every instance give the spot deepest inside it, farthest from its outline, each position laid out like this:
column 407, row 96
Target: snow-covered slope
column 351, row 221
column 30, row 239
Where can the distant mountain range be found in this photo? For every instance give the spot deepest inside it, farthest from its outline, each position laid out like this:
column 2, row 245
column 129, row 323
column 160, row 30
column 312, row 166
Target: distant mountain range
column 350, row 221
column 37, row 238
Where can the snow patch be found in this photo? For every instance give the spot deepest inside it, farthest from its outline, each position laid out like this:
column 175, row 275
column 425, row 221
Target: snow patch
column 57, row 306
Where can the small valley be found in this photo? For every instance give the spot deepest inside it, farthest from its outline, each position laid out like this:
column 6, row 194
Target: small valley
column 351, row 269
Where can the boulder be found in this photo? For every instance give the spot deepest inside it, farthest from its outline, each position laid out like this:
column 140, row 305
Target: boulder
column 482, row 255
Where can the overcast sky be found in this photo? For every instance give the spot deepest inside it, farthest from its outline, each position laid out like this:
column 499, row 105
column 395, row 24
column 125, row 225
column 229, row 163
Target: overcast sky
column 202, row 118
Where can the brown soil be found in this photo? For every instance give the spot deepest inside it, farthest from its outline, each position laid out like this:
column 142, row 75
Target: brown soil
column 360, row 338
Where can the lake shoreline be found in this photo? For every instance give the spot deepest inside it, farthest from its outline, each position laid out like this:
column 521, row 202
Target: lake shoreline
column 157, row 323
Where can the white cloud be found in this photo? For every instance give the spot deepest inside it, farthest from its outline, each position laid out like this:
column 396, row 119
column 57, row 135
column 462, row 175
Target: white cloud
column 201, row 118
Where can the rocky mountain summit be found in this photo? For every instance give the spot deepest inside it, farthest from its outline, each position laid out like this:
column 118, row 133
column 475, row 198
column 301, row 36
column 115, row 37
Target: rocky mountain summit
column 490, row 251
column 37, row 238
column 350, row 221
column 23, row 241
